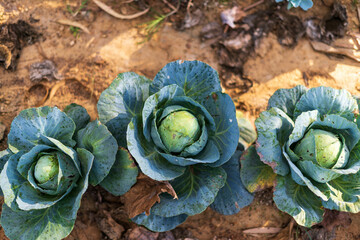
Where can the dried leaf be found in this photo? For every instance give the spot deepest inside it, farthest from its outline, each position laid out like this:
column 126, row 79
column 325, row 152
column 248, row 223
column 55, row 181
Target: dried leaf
column 107, row 9
column 43, row 70
column 263, row 230
column 322, row 47
column 74, row 24
column 110, row 227
column 241, row 41
column 192, row 19
column 144, row 194
column 5, row 55
column 140, row 233
column 230, row 16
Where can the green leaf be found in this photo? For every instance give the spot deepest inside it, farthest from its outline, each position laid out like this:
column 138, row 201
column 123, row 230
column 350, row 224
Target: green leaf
column 209, row 154
column 298, row 201
column 11, row 180
column 247, row 131
column 197, row 79
column 345, row 190
column 30, row 196
column 122, row 175
column 226, row 135
column 35, row 224
column 196, row 190
column 150, row 161
column 327, row 101
column 274, row 128
column 233, row 196
column 319, row 189
column 159, row 224
column 344, row 194
column 78, row 114
column 121, row 101
column 4, row 157
column 155, row 102
column 341, row 126
column 29, row 158
column 55, row 222
column 286, row 99
column 30, row 124
column 67, row 150
column 96, row 138
column 255, row 175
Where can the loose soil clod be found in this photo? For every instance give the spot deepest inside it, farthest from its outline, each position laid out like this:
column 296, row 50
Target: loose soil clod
column 14, row 37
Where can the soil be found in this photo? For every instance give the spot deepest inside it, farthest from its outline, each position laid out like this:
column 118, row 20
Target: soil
column 87, row 63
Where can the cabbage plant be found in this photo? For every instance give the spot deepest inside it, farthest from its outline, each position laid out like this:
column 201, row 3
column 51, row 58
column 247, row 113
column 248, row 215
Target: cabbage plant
column 51, row 158
column 180, row 128
column 309, row 141
column 304, row 4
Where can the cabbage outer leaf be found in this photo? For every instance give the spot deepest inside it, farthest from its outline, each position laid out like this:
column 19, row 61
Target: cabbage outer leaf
column 345, row 190
column 326, row 100
column 298, row 201
column 248, row 133
column 122, row 175
column 197, row 79
column 274, row 128
column 286, row 99
column 4, row 157
column 233, row 196
column 159, row 224
column 226, row 135
column 196, row 190
column 28, row 127
column 255, row 174
column 97, row 139
column 121, row 101
column 78, row 114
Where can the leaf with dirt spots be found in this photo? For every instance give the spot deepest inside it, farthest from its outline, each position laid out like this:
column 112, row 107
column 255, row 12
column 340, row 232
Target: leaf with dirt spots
column 144, row 194
column 255, row 175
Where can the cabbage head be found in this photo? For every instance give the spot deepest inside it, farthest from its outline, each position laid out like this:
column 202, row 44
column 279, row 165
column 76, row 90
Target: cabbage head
column 180, row 128
column 310, row 143
column 51, row 158
column 304, row 4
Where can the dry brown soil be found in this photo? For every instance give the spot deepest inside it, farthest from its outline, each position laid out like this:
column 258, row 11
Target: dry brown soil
column 89, row 62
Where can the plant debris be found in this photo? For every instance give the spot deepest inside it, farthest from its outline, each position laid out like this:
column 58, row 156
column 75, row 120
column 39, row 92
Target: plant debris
column 13, row 37
column 330, row 28
column 111, row 12
column 238, row 44
column 353, row 53
column 2, row 131
column 232, row 15
column 244, row 37
column 192, row 19
column 144, row 194
column 5, row 56
column 44, row 70
column 140, row 233
column 110, row 227
column 73, row 24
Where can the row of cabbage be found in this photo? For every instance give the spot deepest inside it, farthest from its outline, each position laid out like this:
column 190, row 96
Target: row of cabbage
column 182, row 129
